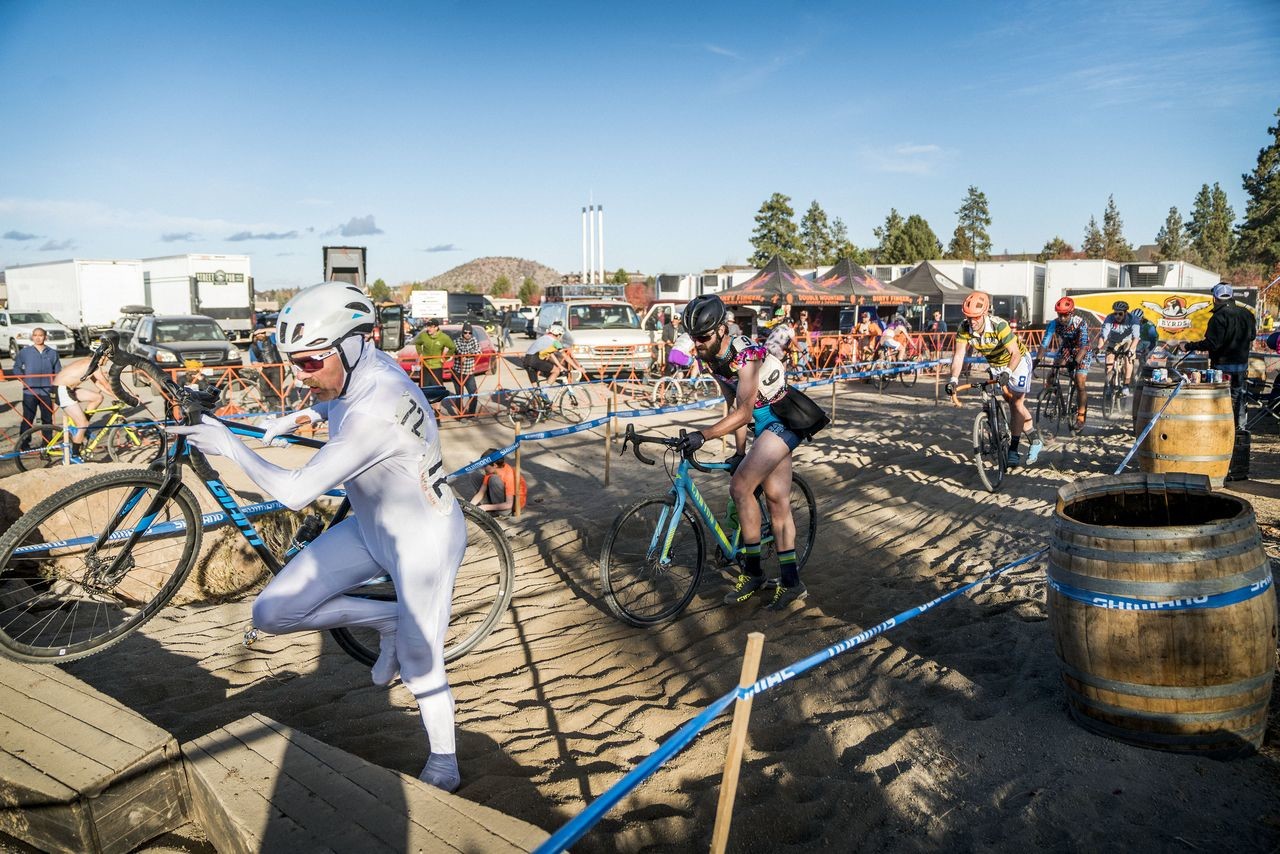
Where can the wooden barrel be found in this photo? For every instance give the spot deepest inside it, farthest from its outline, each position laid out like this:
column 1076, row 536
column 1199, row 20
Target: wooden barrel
column 1194, row 435
column 1163, row 612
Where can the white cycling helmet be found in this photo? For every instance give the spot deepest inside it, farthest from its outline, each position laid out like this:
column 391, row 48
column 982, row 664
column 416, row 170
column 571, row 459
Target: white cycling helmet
column 555, row 329
column 322, row 315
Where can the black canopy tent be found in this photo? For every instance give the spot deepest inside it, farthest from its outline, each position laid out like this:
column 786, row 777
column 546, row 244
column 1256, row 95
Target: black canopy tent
column 862, row 288
column 778, row 284
column 928, row 281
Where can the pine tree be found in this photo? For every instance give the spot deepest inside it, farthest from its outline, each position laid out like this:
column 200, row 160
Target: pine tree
column 1209, row 231
column 379, row 291
column 1057, row 248
column 1171, row 241
column 1260, row 232
column 775, row 232
column 971, row 240
column 815, row 236
column 842, row 247
column 888, row 235
column 1093, row 246
column 1115, row 247
column 529, row 291
column 501, row 287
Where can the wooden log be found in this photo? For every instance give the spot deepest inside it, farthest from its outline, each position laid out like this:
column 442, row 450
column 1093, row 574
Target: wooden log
column 79, row 771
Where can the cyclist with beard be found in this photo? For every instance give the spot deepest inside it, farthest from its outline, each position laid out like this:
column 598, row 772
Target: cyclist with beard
column 753, row 378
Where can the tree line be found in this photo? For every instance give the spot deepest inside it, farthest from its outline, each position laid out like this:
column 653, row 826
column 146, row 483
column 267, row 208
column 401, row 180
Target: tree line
column 1248, row 251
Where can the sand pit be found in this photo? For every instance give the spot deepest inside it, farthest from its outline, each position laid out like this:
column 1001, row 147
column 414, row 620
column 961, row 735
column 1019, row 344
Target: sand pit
column 950, row 732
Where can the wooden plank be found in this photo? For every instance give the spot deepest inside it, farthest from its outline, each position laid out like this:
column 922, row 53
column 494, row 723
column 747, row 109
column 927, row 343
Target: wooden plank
column 256, row 780
column 66, row 726
column 79, row 771
column 55, row 686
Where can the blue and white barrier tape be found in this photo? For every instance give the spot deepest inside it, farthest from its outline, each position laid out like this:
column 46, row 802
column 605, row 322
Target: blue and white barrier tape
column 578, row 826
column 1113, row 602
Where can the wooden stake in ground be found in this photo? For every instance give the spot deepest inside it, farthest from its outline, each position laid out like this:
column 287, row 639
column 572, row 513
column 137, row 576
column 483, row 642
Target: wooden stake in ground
column 737, row 742
column 608, row 441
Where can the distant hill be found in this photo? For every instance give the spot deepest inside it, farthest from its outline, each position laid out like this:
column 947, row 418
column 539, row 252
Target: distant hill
column 483, row 272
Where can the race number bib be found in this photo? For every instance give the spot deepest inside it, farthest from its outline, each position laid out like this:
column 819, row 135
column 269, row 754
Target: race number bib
column 412, row 417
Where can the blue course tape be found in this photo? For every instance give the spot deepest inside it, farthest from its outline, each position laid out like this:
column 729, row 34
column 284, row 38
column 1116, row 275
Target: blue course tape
column 483, row 461
column 578, row 826
column 1189, row 603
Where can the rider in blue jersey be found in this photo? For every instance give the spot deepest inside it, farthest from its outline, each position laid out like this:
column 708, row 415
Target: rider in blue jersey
column 1068, row 336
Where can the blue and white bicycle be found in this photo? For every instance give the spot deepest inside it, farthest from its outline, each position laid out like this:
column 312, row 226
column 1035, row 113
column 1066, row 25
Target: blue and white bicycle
column 91, row 563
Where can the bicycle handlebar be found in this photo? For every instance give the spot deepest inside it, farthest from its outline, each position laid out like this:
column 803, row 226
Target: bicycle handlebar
column 637, row 439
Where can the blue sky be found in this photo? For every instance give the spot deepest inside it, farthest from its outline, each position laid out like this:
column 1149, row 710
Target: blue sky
column 435, row 133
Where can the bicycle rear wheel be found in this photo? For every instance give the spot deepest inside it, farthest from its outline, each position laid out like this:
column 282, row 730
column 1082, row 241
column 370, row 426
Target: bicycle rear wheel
column 62, row 596
column 988, row 453
column 136, row 441
column 39, row 454
column 640, row 586
column 481, row 593
column 524, row 409
column 804, row 513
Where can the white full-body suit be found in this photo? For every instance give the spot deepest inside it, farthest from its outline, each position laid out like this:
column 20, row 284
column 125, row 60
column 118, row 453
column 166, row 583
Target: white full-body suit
column 384, row 448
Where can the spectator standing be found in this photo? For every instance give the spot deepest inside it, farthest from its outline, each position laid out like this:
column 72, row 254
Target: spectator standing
column 36, row 365
column 936, row 328
column 667, row 339
column 464, row 371
column 271, row 372
column 433, row 348
column 1228, row 339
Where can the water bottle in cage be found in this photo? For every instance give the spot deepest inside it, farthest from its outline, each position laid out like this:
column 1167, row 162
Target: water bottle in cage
column 310, row 528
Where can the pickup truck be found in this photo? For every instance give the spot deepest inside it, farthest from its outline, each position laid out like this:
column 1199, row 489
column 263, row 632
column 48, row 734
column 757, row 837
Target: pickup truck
column 16, row 327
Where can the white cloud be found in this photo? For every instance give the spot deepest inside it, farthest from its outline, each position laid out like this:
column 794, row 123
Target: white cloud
column 720, row 51
column 904, row 158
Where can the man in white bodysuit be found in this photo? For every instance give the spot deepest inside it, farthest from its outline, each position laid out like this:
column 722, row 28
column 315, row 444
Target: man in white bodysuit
column 384, row 448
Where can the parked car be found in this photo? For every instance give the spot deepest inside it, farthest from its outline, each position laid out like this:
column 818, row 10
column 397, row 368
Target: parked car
column 531, row 326
column 16, row 327
column 486, row 362
column 172, row 339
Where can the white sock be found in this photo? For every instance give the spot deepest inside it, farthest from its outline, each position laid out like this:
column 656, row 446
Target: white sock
column 387, row 667
column 441, row 771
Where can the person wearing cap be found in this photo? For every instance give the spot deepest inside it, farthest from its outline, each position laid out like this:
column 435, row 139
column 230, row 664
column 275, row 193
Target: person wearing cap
column 264, row 352
column 433, row 348
column 464, row 370
column 548, row 356
column 1227, row 339
column 499, row 492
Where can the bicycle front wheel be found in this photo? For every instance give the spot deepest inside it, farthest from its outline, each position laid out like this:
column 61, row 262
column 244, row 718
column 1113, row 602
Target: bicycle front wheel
column 573, row 405
column 878, row 378
column 481, row 593
column 137, row 442
column 1048, row 407
column 988, row 454
column 71, row 586
column 651, row 564
column 666, row 392
column 912, row 372
column 38, row 453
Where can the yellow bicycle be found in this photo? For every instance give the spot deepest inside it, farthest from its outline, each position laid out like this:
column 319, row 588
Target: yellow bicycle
column 120, row 439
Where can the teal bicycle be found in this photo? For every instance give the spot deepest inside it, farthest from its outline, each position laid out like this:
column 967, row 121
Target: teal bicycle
column 653, row 556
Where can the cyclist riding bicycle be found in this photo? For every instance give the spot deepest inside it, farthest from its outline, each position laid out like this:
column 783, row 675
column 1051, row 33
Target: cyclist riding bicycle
column 992, row 338
column 1119, row 335
column 1148, row 334
column 896, row 336
column 548, row 357
column 77, row 394
column 754, row 379
column 781, row 341
column 1068, row 335
column 384, row 448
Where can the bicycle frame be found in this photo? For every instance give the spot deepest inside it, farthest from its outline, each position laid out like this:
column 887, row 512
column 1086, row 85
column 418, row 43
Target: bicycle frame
column 686, row 492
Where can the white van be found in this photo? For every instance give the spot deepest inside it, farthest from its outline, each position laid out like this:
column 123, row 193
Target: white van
column 604, row 334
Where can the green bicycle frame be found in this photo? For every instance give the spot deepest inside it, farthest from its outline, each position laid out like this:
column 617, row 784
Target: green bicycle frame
column 686, row 492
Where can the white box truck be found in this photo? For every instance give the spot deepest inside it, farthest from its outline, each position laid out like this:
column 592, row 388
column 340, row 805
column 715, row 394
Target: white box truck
column 1020, row 283
column 217, row 286
column 84, row 295
column 425, row 304
column 345, row 264
column 1166, row 274
column 1085, row 274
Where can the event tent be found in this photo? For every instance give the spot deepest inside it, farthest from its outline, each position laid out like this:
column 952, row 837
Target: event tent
column 862, row 288
column 928, row 281
column 777, row 283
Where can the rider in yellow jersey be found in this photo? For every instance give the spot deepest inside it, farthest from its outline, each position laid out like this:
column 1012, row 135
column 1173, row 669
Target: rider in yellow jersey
column 992, row 338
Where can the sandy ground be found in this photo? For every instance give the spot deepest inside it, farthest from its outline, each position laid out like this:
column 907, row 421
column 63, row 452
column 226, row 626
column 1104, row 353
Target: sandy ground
column 950, row 732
